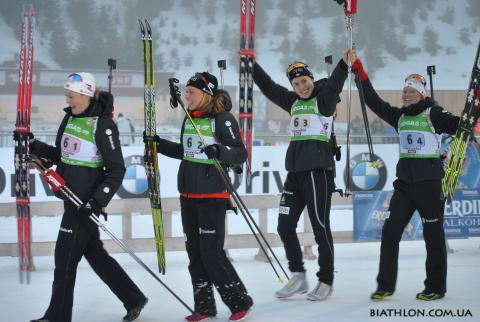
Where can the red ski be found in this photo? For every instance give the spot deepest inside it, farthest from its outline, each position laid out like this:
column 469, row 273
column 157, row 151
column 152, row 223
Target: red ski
column 21, row 138
column 247, row 54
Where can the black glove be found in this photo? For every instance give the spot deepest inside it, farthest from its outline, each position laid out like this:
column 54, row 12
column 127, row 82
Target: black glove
column 174, row 92
column 212, row 151
column 154, row 138
column 46, row 162
column 31, row 137
column 92, row 206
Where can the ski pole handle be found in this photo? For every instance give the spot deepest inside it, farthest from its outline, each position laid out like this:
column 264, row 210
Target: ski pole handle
column 174, row 92
column 53, row 178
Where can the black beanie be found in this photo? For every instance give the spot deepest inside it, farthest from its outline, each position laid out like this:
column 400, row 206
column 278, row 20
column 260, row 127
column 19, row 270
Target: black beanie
column 298, row 69
column 205, row 82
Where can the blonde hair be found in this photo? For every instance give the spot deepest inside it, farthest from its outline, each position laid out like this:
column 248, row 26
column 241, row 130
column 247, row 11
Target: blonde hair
column 209, row 104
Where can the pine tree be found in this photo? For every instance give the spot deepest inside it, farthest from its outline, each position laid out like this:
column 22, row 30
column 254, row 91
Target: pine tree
column 448, row 16
column 338, row 38
column 464, row 35
column 281, row 26
column 288, row 7
column 88, row 35
column 261, row 19
column 430, row 39
column 211, row 12
column 306, row 47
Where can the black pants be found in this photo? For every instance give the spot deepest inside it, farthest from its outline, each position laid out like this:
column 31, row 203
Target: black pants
column 424, row 196
column 204, row 226
column 313, row 189
column 79, row 236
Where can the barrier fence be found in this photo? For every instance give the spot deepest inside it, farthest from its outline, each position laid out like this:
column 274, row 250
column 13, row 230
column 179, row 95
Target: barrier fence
column 125, row 207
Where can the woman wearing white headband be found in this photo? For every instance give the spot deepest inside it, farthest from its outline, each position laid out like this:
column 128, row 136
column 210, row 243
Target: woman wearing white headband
column 419, row 123
column 88, row 156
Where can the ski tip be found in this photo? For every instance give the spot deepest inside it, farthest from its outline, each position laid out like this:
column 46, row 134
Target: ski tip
column 147, row 26
column 142, row 28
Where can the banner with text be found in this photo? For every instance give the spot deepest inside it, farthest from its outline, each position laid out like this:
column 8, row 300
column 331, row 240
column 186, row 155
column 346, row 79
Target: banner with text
column 370, row 210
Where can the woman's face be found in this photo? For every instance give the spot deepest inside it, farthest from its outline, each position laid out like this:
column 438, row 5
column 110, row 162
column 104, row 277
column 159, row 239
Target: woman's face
column 410, row 96
column 303, row 86
column 78, row 102
column 194, row 98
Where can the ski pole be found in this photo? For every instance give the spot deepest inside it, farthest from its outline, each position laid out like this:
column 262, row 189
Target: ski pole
column 226, row 179
column 58, row 184
column 361, row 95
column 350, row 8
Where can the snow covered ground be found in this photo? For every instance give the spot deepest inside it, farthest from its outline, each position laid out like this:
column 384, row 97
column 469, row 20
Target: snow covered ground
column 356, row 268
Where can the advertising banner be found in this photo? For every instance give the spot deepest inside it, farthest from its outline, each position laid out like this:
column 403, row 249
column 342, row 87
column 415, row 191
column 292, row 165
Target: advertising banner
column 370, row 210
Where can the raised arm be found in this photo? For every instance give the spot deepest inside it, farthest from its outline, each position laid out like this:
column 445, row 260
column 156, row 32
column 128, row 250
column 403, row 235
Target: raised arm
column 276, row 93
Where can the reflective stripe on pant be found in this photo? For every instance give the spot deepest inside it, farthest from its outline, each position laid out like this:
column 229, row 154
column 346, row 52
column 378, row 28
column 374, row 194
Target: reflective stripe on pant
column 312, row 189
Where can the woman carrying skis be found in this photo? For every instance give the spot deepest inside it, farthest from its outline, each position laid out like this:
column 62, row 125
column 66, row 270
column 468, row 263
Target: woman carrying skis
column 309, row 162
column 88, row 156
column 204, row 198
column 419, row 123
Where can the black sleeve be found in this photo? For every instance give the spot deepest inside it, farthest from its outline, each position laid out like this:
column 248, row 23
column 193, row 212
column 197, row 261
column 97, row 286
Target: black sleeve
column 329, row 94
column 382, row 109
column 171, row 149
column 227, row 133
column 443, row 121
column 108, row 144
column 52, row 153
column 276, row 93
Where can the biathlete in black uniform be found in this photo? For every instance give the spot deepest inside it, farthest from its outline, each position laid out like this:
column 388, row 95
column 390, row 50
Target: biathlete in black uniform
column 419, row 123
column 88, row 156
column 204, row 197
column 309, row 162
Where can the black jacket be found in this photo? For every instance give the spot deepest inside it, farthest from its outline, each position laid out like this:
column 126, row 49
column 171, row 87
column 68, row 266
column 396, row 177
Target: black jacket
column 204, row 178
column 413, row 169
column 98, row 183
column 308, row 154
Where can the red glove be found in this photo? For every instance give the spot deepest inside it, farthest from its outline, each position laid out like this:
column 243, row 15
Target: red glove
column 357, row 65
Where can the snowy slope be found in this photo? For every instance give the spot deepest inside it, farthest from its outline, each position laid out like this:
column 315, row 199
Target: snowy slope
column 180, row 34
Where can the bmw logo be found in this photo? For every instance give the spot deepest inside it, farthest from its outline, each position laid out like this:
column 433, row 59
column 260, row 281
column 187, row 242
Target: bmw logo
column 366, row 175
column 135, row 182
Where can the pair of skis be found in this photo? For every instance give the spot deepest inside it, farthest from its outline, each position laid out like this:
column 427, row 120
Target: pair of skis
column 468, row 120
column 245, row 103
column 150, row 153
column 22, row 142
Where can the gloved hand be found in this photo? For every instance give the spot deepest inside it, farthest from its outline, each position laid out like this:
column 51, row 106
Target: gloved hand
column 92, row 206
column 357, row 65
column 31, row 137
column 174, row 92
column 154, row 138
column 212, row 151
